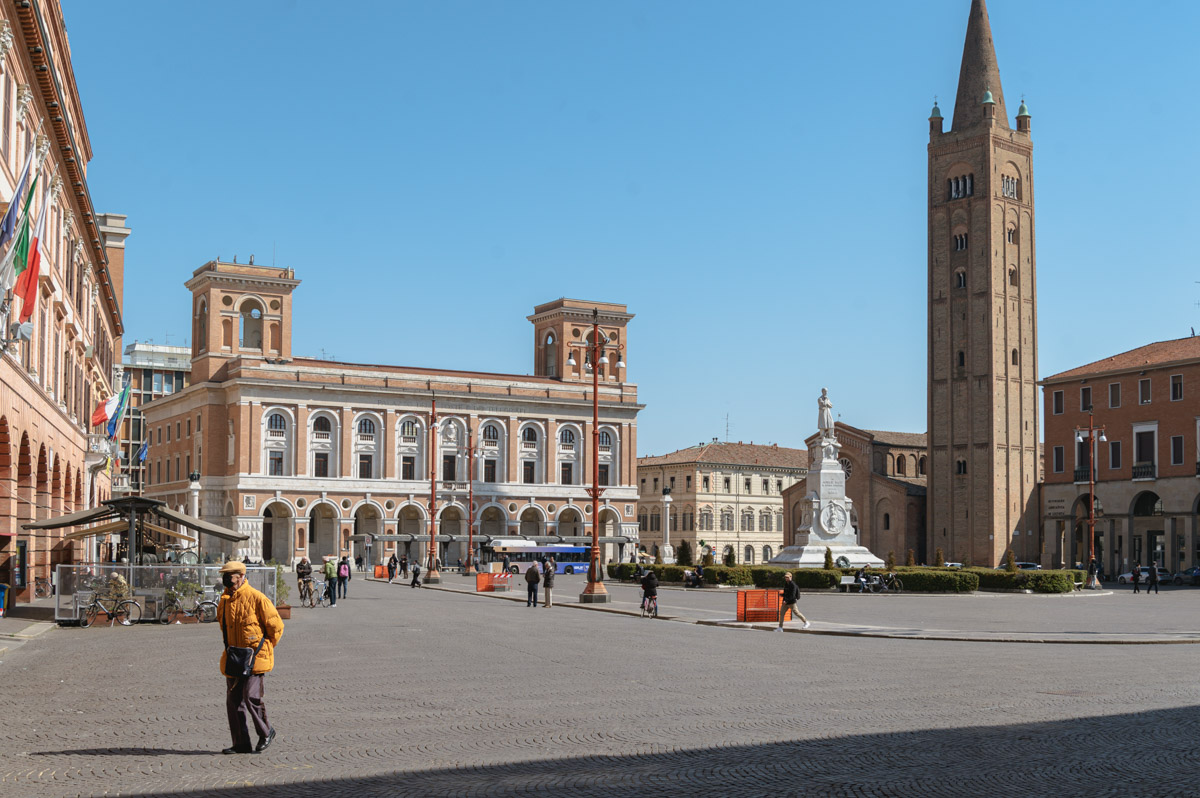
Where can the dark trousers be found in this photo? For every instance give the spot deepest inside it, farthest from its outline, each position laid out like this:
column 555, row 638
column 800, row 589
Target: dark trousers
column 416, row 580
column 331, row 589
column 341, row 586
column 391, row 572
column 1152, row 585
column 531, row 599
column 244, row 697
column 1135, row 588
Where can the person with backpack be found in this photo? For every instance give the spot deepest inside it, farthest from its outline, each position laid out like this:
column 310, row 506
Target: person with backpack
column 532, row 578
column 331, row 580
column 343, row 576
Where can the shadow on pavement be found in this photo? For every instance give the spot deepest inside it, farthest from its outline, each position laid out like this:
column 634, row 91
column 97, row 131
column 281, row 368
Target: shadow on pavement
column 125, row 752
column 1098, row 755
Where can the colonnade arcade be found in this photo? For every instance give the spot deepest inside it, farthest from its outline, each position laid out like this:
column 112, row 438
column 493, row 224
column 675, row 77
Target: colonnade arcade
column 1147, row 529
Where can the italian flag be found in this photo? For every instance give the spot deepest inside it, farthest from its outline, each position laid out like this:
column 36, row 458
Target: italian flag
column 29, row 256
column 9, row 268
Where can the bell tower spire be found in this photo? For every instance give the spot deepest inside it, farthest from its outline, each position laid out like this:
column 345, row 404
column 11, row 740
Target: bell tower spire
column 979, row 75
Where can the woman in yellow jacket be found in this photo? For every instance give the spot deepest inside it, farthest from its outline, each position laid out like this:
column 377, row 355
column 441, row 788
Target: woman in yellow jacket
column 246, row 617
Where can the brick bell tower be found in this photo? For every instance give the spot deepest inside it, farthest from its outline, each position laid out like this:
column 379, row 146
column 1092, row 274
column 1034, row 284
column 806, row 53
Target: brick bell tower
column 982, row 358
column 559, row 325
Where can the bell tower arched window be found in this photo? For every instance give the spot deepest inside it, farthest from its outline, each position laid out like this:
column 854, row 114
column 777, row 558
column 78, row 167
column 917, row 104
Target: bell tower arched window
column 252, row 325
column 550, row 356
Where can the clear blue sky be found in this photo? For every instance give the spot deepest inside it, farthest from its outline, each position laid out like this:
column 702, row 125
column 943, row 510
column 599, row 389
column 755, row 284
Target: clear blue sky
column 748, row 177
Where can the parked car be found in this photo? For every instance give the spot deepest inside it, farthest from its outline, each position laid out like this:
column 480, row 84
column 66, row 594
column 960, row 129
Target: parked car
column 1164, row 576
column 954, row 565
column 1022, row 566
column 1189, row 575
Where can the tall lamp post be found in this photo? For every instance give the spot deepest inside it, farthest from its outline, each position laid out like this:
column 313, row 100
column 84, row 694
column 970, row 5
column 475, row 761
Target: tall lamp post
column 1090, row 433
column 595, row 348
column 667, row 554
column 469, row 568
column 431, row 571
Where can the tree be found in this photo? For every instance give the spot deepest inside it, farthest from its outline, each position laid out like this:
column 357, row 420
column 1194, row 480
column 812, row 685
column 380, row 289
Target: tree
column 730, row 558
column 658, row 556
column 891, row 561
column 1010, row 561
column 683, row 553
column 708, row 558
column 828, row 559
column 967, row 561
column 939, row 559
column 911, row 558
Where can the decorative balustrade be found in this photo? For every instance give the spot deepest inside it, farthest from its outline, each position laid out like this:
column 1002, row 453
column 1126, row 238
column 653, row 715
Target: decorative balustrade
column 322, row 436
column 529, row 446
column 276, row 434
column 408, row 439
column 1144, row 471
column 366, row 438
column 605, row 448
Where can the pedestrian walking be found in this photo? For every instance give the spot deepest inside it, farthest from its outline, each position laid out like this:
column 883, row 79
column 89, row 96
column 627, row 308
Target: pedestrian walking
column 331, row 580
column 416, row 572
column 391, row 566
column 1135, row 576
column 404, row 565
column 506, row 563
column 532, row 578
column 548, row 581
column 251, row 629
column 358, row 562
column 1152, row 579
column 343, row 576
column 791, row 594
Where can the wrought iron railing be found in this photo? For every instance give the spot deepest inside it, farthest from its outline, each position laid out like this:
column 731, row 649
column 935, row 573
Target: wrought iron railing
column 1144, row 471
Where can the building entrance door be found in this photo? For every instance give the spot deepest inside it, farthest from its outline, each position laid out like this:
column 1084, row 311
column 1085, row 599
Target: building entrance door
column 1158, row 551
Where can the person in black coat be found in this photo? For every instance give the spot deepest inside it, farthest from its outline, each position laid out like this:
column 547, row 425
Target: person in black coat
column 391, row 566
column 791, row 594
column 649, row 587
column 1152, row 579
column 1136, row 577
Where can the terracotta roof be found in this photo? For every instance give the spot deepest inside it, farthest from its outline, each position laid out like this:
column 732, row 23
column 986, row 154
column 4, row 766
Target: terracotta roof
column 1149, row 356
column 914, row 439
column 732, row 454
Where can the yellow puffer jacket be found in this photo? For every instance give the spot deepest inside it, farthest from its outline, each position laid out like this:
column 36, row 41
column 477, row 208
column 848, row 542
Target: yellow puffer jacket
column 243, row 615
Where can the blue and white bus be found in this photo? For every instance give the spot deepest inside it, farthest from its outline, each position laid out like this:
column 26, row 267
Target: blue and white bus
column 568, row 559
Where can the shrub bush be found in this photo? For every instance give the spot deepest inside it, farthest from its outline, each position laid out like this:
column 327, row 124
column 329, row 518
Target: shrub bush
column 1037, row 581
column 891, row 561
column 828, row 559
column 927, row 580
column 939, row 559
column 683, row 553
column 911, row 558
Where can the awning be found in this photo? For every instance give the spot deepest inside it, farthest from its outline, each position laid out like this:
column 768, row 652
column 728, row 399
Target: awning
column 120, row 525
column 162, row 530
column 81, row 517
column 200, row 526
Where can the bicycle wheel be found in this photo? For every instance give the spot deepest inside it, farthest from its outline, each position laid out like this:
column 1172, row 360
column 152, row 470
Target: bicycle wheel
column 41, row 590
column 206, row 611
column 169, row 614
column 128, row 613
column 89, row 616
column 897, row 585
column 654, row 608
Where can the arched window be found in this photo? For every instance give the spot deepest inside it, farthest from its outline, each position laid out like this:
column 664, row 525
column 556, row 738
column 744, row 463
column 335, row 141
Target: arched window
column 767, row 554
column 1015, row 358
column 605, row 438
column 921, row 465
column 887, row 520
column 901, row 467
column 251, row 324
column 366, row 426
column 321, row 424
column 550, row 357
column 750, row 554
column 409, row 429
column 960, row 466
column 566, row 437
column 1012, row 235
column 490, row 433
column 962, row 358
column 960, row 279
column 276, row 422
column 529, row 435
column 202, row 326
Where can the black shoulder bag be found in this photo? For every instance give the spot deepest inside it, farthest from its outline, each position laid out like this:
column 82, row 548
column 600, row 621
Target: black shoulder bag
column 239, row 661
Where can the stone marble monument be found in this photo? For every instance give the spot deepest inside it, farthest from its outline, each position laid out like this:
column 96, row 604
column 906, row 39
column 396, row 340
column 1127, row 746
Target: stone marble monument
column 827, row 517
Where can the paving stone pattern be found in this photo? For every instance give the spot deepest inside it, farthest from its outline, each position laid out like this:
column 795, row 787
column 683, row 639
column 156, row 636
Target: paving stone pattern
column 431, row 693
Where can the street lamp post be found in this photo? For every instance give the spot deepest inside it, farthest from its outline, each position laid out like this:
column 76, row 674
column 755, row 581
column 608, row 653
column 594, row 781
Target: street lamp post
column 667, row 555
column 431, row 571
column 1093, row 581
column 469, row 568
column 595, row 592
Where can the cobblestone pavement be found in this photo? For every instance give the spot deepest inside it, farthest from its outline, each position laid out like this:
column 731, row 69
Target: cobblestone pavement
column 422, row 692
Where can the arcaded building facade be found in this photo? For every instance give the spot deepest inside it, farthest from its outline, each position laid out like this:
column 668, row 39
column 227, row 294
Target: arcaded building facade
column 49, row 464
column 982, row 370
column 728, row 495
column 1146, row 469
column 314, row 457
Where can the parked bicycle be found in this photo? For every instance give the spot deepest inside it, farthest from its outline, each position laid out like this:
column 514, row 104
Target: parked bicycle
column 124, row 611
column 42, row 587
column 319, row 595
column 888, row 583
column 204, row 610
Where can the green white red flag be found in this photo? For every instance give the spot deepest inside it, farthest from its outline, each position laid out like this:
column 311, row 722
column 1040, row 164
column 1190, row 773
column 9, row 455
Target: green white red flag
column 31, row 256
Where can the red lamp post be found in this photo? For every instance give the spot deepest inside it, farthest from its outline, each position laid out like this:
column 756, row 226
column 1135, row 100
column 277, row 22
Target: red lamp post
column 1089, row 432
column 469, row 569
column 595, row 593
column 431, row 571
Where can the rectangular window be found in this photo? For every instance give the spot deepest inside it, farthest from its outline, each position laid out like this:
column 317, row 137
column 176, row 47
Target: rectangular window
column 527, row 472
column 1059, row 453
column 1083, row 454
column 274, row 464
column 365, row 463
column 321, row 464
column 1144, row 391
column 1085, row 398
column 189, row 428
column 1143, row 443
column 158, row 382
column 168, row 469
column 728, row 484
column 746, row 482
column 688, row 482
column 672, row 484
column 197, row 423
column 1176, row 387
column 168, row 433
column 656, row 484
column 449, row 467
column 1114, row 454
column 188, row 461
column 1114, row 394
column 565, row 475
column 766, row 486
column 158, row 472
column 177, row 430
column 489, row 470
column 1176, row 450
column 779, row 486
column 603, row 474
column 1058, row 399
column 408, row 468
column 706, row 483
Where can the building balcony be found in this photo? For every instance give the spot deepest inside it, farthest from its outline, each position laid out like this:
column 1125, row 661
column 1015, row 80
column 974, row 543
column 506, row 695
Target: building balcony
column 1082, row 474
column 409, row 439
column 1144, row 471
column 529, row 446
column 322, row 436
column 367, row 438
column 276, row 434
column 566, row 447
column 605, row 449
column 488, row 444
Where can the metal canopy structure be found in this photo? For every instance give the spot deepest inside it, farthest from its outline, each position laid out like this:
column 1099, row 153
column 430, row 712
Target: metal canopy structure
column 130, row 516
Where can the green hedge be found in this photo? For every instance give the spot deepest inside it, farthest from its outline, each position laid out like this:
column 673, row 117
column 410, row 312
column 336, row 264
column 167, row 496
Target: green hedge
column 1037, row 581
column 938, row 580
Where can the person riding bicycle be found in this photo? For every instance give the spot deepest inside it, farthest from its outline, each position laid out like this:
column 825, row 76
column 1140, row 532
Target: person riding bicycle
column 649, row 587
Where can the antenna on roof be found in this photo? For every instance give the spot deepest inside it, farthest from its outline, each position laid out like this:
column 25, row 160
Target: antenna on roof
column 727, row 428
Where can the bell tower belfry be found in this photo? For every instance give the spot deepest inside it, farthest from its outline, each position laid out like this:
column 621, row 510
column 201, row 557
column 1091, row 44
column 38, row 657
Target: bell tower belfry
column 559, row 325
column 982, row 353
column 239, row 310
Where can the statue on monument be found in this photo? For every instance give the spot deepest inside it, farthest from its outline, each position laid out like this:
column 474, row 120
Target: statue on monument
column 825, row 415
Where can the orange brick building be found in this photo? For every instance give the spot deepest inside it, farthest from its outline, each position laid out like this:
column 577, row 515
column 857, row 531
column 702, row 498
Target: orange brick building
column 49, row 465
column 1147, row 470
column 315, row 457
